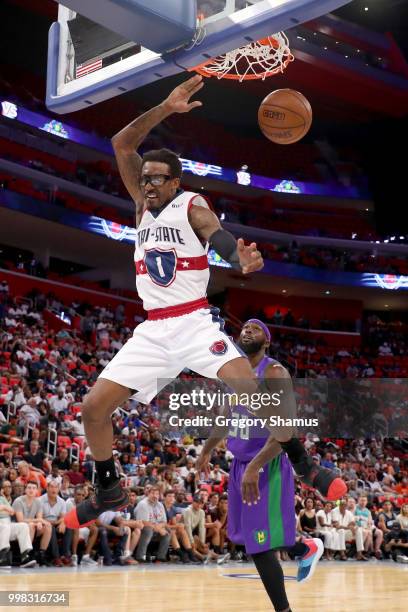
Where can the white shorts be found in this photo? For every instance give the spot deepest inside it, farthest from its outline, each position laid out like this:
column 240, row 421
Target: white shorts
column 159, row 350
column 84, row 534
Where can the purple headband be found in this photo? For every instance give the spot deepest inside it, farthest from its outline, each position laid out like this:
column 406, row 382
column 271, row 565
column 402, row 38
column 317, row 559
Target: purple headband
column 262, row 326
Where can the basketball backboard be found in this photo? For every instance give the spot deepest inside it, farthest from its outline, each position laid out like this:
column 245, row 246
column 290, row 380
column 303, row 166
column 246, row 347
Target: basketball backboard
column 80, row 74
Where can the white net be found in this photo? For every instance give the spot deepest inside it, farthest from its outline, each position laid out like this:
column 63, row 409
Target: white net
column 257, row 60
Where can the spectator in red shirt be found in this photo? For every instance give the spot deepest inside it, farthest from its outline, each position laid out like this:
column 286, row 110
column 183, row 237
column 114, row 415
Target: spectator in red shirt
column 171, row 451
column 76, row 477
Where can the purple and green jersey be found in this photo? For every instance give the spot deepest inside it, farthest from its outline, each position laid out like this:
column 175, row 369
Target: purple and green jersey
column 245, row 444
column 271, row 523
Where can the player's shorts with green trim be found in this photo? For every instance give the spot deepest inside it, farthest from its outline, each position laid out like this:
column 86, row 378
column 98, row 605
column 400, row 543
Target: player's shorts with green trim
column 271, row 523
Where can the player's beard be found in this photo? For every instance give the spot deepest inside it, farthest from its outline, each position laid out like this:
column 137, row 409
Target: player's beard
column 250, row 347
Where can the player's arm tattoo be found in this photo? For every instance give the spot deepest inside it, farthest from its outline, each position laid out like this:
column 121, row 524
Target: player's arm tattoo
column 208, row 228
column 203, row 221
column 125, row 144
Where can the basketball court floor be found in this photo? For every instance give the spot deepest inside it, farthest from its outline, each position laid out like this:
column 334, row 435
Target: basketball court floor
column 337, row 587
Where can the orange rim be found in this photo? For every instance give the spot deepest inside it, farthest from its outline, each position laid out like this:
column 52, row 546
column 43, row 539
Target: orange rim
column 237, row 77
column 269, row 41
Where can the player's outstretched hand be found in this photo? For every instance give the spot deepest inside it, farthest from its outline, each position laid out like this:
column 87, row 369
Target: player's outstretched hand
column 250, row 486
column 249, row 257
column 179, row 99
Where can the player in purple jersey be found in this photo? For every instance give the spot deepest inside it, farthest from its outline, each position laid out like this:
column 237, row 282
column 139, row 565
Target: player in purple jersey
column 270, row 374
column 261, row 485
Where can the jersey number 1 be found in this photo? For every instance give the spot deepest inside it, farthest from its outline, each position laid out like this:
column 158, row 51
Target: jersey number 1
column 160, row 267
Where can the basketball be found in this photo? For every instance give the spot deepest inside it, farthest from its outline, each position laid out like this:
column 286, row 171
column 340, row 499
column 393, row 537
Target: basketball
column 285, row 116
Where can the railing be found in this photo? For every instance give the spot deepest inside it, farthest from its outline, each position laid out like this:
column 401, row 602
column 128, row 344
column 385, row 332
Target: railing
column 52, row 441
column 74, row 452
column 11, row 410
column 361, row 484
column 27, row 430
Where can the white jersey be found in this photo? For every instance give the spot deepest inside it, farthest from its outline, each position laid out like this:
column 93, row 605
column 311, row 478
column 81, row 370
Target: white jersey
column 171, row 262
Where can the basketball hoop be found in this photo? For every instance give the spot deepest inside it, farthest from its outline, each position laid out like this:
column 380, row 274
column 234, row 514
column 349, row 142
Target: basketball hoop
column 258, row 60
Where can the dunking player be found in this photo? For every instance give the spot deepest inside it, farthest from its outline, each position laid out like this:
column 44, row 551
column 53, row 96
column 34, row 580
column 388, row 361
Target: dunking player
column 174, row 228
column 261, row 494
